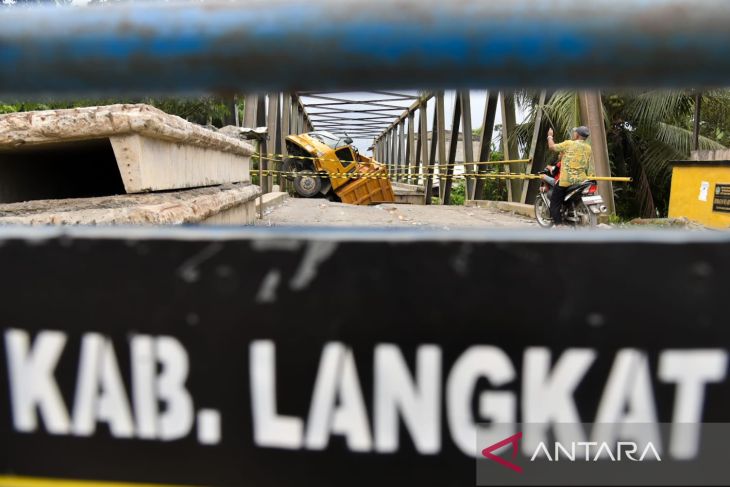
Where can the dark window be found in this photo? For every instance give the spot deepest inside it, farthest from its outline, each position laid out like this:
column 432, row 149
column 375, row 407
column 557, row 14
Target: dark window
column 345, row 156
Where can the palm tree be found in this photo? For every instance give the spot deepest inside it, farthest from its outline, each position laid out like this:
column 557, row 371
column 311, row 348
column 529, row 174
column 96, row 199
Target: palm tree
column 646, row 130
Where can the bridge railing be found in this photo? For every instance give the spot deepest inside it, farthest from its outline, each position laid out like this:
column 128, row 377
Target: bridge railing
column 260, row 47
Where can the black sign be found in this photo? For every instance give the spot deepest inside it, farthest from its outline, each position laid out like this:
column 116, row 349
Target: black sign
column 722, row 198
column 327, row 359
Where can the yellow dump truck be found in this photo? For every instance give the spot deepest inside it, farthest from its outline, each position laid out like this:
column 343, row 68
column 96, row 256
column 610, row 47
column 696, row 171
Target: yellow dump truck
column 322, row 164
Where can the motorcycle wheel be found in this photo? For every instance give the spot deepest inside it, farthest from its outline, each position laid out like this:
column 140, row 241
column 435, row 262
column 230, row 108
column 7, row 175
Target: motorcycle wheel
column 542, row 213
column 587, row 217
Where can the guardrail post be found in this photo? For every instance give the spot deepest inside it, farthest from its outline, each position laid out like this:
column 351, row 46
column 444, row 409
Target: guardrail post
column 401, row 161
column 411, row 146
column 485, row 144
column 388, row 141
column 394, row 149
column 285, row 130
column 453, row 146
column 441, row 126
column 509, row 145
column 429, row 168
column 271, row 116
column 423, row 136
column 591, row 109
column 250, row 106
column 468, row 143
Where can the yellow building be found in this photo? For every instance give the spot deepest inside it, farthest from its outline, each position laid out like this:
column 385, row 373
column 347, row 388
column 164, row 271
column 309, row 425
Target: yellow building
column 701, row 189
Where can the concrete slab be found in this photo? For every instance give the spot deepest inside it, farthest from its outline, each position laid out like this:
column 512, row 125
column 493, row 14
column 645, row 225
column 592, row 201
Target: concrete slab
column 409, row 194
column 153, row 151
column 516, row 208
column 227, row 204
column 271, row 200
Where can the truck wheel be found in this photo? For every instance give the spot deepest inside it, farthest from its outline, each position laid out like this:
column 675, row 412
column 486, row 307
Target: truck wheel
column 307, row 184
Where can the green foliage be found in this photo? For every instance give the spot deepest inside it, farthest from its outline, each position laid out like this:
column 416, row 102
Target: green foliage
column 645, row 131
column 203, row 110
column 458, row 193
column 715, row 116
column 494, row 189
column 616, row 219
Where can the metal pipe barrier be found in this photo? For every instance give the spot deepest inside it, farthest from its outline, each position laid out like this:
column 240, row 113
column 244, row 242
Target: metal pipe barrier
column 270, row 45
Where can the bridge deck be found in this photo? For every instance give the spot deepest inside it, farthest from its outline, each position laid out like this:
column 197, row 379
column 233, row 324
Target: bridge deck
column 320, row 212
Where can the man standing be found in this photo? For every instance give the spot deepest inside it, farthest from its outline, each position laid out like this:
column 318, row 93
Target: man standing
column 574, row 168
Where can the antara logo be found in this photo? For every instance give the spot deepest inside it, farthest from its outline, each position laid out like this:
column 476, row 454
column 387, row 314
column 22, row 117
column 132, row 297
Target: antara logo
column 515, row 441
column 574, row 451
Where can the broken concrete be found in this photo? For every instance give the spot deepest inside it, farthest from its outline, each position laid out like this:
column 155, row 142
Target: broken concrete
column 228, row 204
column 516, row 208
column 271, row 200
column 153, row 151
column 409, row 194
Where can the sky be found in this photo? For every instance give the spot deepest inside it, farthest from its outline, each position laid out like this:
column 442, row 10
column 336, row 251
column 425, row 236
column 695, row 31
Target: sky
column 478, row 100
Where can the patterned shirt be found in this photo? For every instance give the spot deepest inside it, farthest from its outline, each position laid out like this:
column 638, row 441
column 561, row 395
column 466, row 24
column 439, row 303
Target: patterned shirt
column 575, row 161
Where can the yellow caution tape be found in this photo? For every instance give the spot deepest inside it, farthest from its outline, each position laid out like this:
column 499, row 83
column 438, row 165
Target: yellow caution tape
column 419, row 175
column 278, row 158
column 381, row 175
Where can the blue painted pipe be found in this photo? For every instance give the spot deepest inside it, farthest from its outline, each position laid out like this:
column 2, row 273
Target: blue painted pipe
column 154, row 48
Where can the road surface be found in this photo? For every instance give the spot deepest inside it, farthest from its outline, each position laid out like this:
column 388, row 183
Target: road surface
column 320, row 212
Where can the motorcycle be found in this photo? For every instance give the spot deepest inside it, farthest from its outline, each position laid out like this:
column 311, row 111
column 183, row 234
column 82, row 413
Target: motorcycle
column 581, row 207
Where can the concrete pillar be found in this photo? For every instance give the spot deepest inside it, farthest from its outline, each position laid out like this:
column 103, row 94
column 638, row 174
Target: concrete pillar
column 591, row 111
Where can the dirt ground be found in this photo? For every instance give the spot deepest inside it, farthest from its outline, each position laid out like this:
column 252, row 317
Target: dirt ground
column 320, row 212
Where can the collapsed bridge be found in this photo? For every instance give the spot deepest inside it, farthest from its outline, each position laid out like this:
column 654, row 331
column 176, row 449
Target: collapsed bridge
column 157, row 336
